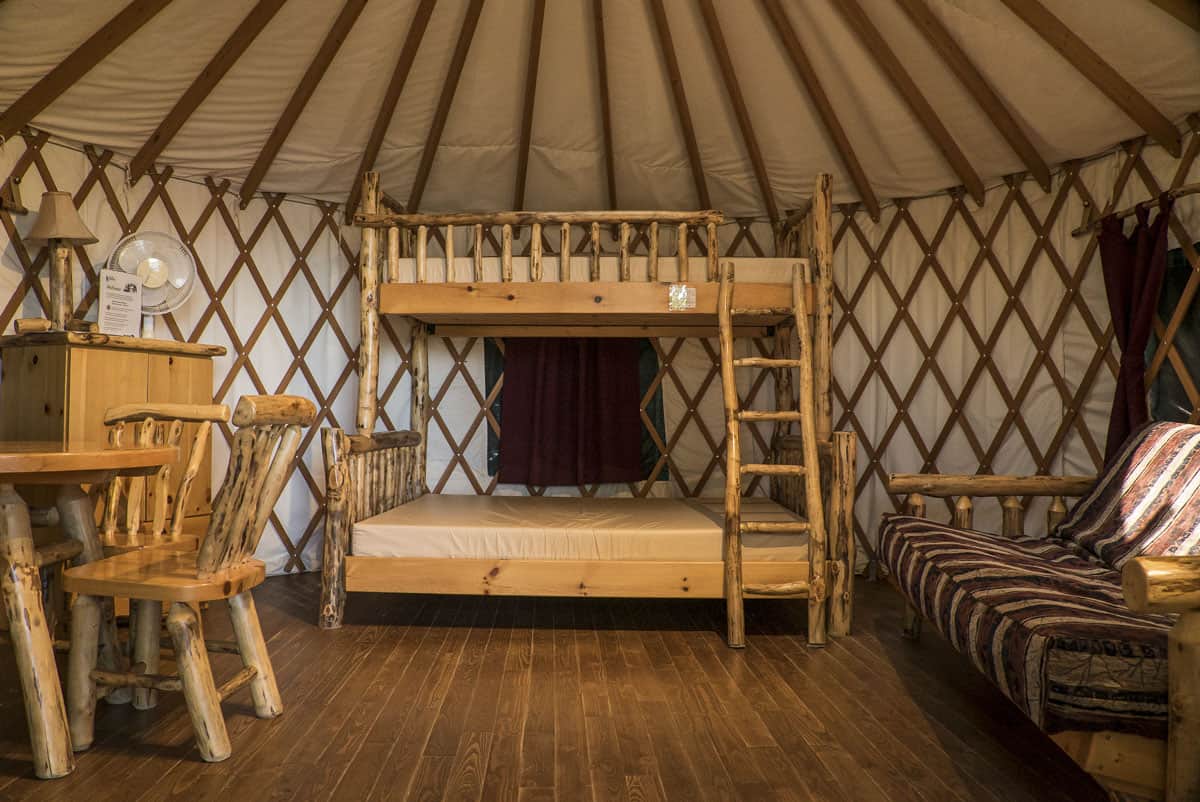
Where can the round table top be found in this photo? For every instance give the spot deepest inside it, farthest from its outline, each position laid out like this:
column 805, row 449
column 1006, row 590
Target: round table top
column 35, row 461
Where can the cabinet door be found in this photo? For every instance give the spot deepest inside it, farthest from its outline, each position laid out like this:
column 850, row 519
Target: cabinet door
column 177, row 379
column 33, row 393
column 101, row 378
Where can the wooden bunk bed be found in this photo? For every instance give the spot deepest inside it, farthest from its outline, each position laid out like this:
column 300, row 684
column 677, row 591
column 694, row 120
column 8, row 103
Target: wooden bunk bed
column 378, row 479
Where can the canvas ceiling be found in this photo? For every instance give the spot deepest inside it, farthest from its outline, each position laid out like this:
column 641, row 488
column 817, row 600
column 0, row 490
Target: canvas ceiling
column 120, row 102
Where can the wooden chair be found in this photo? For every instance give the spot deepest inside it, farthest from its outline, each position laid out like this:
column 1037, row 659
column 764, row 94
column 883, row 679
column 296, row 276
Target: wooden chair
column 163, row 424
column 261, row 456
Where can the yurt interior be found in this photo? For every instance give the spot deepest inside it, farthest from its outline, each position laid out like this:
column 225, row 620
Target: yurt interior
column 588, row 400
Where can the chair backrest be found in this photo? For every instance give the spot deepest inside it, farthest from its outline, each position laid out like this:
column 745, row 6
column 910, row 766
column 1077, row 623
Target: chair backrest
column 260, row 459
column 155, row 424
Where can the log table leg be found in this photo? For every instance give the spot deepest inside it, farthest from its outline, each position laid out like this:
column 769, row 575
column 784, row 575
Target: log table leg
column 76, row 511
column 22, row 590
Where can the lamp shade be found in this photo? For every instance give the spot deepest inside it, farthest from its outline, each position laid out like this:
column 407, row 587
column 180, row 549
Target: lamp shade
column 58, row 219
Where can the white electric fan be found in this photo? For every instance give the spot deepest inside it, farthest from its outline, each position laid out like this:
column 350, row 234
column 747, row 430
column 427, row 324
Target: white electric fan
column 166, row 268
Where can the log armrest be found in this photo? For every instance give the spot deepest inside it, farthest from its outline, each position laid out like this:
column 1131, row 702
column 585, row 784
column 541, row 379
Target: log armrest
column 1009, row 489
column 1162, row 584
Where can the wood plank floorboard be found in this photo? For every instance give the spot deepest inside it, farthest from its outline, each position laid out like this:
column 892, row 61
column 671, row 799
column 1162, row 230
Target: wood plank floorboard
column 500, row 699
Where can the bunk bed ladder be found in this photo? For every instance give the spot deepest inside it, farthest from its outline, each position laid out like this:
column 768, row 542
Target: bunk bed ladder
column 812, row 587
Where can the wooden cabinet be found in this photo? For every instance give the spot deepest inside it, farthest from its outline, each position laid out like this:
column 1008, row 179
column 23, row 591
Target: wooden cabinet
column 57, row 385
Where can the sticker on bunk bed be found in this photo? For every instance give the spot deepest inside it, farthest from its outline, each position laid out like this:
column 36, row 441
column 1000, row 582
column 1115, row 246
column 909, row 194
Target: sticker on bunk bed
column 681, row 297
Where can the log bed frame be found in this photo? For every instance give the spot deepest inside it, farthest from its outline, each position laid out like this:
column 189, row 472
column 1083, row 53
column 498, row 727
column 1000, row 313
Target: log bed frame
column 370, row 472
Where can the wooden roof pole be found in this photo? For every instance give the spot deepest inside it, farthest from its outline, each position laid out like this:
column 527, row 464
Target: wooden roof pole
column 1099, row 72
column 387, row 107
column 237, row 43
column 77, row 64
column 531, row 76
column 969, row 76
column 605, row 113
column 816, row 93
column 734, row 89
column 681, row 105
column 300, row 97
column 443, row 108
column 892, row 67
column 1186, row 11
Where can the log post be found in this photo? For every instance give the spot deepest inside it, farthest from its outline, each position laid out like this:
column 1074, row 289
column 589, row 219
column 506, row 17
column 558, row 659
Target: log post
column 253, row 648
column 419, row 416
column 506, row 270
column 564, row 252
column 392, row 274
column 594, row 269
column 1055, row 513
column 535, row 252
column 422, row 257
column 813, row 504
column 1183, row 668
column 62, row 291
column 623, row 251
column 713, row 251
column 81, row 688
column 681, row 252
column 914, row 505
column 146, row 649
column 478, row 253
column 841, row 532
column 199, row 689
column 735, row 622
column 652, row 253
column 1012, row 517
column 368, row 344
column 449, row 252
column 821, row 259
column 964, row 513
column 21, row 591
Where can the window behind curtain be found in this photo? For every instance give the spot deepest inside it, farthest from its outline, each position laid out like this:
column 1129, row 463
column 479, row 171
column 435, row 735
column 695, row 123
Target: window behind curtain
column 1168, row 400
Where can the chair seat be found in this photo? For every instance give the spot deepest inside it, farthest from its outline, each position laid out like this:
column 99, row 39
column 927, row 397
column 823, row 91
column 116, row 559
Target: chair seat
column 161, row 574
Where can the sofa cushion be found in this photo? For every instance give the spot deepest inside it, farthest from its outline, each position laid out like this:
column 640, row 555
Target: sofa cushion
column 1147, row 503
column 1041, row 618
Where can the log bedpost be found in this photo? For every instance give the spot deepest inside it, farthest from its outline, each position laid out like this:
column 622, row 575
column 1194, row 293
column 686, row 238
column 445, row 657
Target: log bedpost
column 814, row 507
column 478, row 253
column 564, row 252
column 914, row 505
column 735, row 622
column 681, row 253
column 535, row 252
column 713, row 251
column 623, row 265
column 419, row 417
column 652, row 253
column 506, row 239
column 841, row 532
column 820, row 256
column 368, row 277
column 337, row 527
column 449, row 251
column 594, row 271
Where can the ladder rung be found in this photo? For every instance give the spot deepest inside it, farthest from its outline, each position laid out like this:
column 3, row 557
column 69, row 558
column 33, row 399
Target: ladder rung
column 767, row 362
column 772, row 469
column 754, row 311
column 766, row 414
column 799, row 588
column 773, row 527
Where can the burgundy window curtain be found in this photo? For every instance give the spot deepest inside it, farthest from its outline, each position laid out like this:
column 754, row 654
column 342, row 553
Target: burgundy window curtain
column 1134, row 267
column 572, row 412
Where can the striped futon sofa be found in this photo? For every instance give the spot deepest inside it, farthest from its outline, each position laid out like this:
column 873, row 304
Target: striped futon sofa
column 1046, row 619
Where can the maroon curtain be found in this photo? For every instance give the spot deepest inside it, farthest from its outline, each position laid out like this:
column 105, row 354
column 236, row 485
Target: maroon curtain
column 1134, row 267
column 571, row 412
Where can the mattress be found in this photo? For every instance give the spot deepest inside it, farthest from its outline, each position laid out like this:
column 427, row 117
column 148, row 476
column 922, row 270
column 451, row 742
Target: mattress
column 540, row 528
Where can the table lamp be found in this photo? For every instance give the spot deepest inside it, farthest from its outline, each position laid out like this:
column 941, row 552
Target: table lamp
column 59, row 227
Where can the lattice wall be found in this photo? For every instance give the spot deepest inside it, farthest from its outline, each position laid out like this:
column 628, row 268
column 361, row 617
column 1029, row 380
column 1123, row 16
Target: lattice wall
column 921, row 295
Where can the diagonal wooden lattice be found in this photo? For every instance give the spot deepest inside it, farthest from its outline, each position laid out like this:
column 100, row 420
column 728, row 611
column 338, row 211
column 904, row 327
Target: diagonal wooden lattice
column 274, row 346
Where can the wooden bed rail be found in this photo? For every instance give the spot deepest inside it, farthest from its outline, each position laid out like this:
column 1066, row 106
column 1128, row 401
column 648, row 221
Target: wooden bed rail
column 364, row 476
column 1010, row 490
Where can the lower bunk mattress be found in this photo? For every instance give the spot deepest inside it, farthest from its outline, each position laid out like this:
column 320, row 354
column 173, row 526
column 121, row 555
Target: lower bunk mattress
column 541, row 528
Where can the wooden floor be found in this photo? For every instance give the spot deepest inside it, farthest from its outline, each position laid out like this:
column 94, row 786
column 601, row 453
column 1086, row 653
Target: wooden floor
column 429, row 698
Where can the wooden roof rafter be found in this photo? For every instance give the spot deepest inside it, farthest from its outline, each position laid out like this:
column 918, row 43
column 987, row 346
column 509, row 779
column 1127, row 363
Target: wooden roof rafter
column 387, row 106
column 531, row 76
column 449, row 86
column 972, row 79
column 891, row 66
column 741, row 113
column 820, row 100
column 667, row 48
column 228, row 54
column 1099, row 72
column 610, row 173
column 304, row 91
column 81, row 60
column 1186, row 11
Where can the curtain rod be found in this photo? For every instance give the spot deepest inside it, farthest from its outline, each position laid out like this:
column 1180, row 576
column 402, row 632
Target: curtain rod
column 1178, row 192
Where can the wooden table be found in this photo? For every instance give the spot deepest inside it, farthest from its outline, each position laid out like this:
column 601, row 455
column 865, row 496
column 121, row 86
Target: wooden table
column 49, row 463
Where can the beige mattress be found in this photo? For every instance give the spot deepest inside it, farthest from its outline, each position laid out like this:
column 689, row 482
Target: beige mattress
column 540, row 528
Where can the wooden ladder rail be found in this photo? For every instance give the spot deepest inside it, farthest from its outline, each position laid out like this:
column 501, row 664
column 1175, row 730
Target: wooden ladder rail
column 814, row 588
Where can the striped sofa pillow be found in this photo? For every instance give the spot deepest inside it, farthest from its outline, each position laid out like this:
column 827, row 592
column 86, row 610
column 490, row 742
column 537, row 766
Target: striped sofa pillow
column 1147, row 503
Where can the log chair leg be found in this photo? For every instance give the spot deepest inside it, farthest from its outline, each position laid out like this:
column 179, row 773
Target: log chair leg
column 81, row 688
column 21, row 590
column 76, row 512
column 912, row 622
column 144, row 633
column 199, row 690
column 1183, row 738
column 267, row 702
